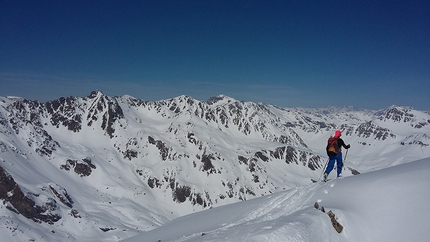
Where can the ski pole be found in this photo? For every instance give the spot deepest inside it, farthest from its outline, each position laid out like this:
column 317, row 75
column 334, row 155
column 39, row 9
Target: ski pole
column 345, row 159
column 323, row 169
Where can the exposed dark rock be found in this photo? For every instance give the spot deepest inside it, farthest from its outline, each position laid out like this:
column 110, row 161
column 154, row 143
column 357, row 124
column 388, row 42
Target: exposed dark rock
column 255, row 178
column 353, row 171
column 130, row 154
column 108, row 109
column 279, row 152
column 162, row 147
column 74, row 213
column 88, row 162
column 198, row 199
column 251, row 165
column 242, row 160
column 62, row 195
column 260, row 155
column 64, row 112
column 154, row 182
column 113, row 113
column 336, row 225
column 107, row 229
column 22, row 204
column 213, row 100
column 291, row 155
column 207, row 163
column 181, row 193
column 83, row 168
column 283, row 139
column 314, row 162
column 398, row 114
column 316, row 206
column 368, row 129
column 191, row 138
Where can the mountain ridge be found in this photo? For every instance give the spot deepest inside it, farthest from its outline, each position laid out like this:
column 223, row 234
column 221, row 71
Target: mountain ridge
column 176, row 156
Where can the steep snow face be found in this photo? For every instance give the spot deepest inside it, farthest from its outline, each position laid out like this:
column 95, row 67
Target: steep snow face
column 385, row 205
column 108, row 167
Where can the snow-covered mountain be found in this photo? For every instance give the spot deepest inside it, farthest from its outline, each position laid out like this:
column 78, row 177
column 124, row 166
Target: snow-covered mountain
column 80, row 168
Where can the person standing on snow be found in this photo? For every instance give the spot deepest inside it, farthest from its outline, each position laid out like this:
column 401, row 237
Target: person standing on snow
column 334, row 152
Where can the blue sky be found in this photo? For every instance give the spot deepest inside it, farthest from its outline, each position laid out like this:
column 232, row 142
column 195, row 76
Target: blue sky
column 366, row 54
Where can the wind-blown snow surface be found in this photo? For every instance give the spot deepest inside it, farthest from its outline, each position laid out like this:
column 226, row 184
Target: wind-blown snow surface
column 385, row 205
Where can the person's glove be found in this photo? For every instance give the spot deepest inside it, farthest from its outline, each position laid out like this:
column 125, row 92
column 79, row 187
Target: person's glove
column 348, row 146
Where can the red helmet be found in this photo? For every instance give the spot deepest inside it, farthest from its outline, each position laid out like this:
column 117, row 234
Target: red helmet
column 337, row 134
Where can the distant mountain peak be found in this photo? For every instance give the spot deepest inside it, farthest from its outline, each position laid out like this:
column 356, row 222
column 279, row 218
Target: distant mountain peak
column 397, row 114
column 220, row 99
column 96, row 93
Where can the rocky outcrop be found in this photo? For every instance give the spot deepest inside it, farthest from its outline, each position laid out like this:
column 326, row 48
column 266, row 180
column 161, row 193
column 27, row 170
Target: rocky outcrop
column 83, row 167
column 336, row 225
column 18, row 202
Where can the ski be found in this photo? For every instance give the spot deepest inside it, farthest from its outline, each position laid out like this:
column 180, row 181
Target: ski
column 315, row 181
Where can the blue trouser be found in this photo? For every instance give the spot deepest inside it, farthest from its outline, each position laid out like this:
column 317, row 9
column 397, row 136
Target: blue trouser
column 330, row 165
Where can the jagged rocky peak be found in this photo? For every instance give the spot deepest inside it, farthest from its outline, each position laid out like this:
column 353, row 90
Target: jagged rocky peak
column 185, row 99
column 99, row 97
column 396, row 113
column 96, row 93
column 106, row 108
column 220, row 99
column 178, row 104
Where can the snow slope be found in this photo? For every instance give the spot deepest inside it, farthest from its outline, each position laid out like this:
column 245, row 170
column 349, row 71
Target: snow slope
column 384, row 205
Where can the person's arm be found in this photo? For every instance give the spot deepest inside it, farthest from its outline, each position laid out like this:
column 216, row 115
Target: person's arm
column 341, row 143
